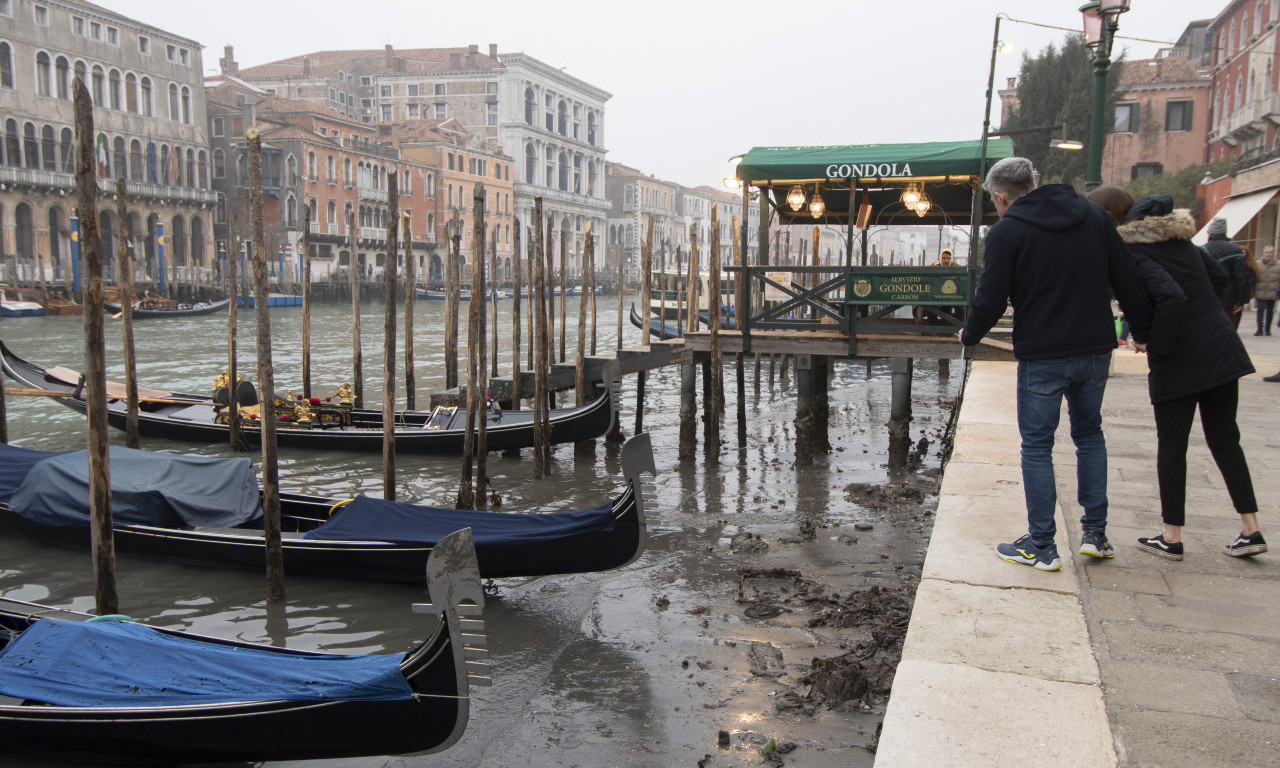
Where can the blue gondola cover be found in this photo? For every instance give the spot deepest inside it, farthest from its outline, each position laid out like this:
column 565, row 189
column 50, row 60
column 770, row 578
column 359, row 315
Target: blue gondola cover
column 146, row 489
column 15, row 463
column 370, row 519
column 123, row 664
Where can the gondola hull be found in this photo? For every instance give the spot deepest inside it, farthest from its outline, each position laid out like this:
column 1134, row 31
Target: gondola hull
column 191, row 418
column 431, row 717
column 139, row 313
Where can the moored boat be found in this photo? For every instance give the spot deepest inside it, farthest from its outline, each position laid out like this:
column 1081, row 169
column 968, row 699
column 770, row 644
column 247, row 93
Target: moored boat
column 177, row 310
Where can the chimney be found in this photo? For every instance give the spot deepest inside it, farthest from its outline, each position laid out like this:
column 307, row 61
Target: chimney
column 1012, row 83
column 306, row 66
column 473, row 48
column 228, row 61
column 455, row 61
column 390, row 60
column 493, row 50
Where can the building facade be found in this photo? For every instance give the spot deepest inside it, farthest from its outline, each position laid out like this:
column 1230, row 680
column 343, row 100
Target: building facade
column 151, row 130
column 1161, row 119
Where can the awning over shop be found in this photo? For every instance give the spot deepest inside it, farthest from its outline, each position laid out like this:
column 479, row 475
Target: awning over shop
column 948, row 171
column 1238, row 211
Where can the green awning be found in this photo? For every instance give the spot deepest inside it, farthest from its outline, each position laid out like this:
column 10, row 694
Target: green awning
column 933, row 160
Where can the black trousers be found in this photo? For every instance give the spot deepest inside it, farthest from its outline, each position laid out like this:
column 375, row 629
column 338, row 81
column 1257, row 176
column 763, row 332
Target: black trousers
column 1218, row 419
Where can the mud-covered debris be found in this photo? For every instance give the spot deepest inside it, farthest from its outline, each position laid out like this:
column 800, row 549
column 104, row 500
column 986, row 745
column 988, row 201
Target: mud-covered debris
column 762, row 611
column 771, row 584
column 705, row 761
column 862, row 526
column 662, row 603
column 893, row 496
column 722, row 739
column 699, row 610
column 786, row 747
column 748, row 544
column 765, row 659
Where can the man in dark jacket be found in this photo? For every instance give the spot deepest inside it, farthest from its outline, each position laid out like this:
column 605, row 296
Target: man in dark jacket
column 1232, row 259
column 1057, row 259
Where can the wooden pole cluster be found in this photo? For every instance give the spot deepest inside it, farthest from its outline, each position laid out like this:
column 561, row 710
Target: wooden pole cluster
column 742, row 307
column 713, row 409
column 125, row 284
column 518, row 288
column 307, row 213
column 100, row 528
column 589, row 258
column 234, row 426
column 579, row 370
column 389, row 342
column 541, row 357
column 564, row 286
column 493, row 299
column 266, row 377
column 357, row 360
column 410, row 291
column 475, row 365
column 644, row 296
column 481, row 414
column 451, row 290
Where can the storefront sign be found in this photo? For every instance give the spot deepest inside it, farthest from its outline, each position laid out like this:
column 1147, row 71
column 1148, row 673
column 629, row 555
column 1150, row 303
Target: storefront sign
column 908, row 285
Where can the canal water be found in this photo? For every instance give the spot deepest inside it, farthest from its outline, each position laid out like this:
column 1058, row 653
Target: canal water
column 662, row 663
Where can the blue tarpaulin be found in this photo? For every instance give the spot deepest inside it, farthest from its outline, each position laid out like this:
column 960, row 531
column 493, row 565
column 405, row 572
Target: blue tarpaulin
column 146, row 489
column 370, row 519
column 15, row 463
column 123, row 664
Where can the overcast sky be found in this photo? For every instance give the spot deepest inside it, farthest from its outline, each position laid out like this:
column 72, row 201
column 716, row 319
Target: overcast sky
column 697, row 81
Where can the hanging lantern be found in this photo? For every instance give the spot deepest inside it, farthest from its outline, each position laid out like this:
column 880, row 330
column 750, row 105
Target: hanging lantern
column 816, row 206
column 795, row 198
column 911, row 195
column 922, row 205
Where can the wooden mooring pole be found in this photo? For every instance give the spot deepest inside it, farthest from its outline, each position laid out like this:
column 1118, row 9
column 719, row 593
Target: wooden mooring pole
column 478, row 292
column 715, row 367
column 452, row 289
column 517, row 289
column 541, row 431
column 234, row 426
column 125, row 283
column 266, row 377
column 389, row 342
column 742, row 308
column 564, row 285
column 100, row 529
column 357, row 360
column 643, row 295
column 410, row 291
column 307, row 213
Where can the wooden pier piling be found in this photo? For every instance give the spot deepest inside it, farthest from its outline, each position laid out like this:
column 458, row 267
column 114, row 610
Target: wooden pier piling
column 124, row 265
column 357, row 362
column 410, row 294
column 389, row 342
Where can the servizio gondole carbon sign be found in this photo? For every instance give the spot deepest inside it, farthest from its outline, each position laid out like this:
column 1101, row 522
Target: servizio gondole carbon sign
column 908, row 285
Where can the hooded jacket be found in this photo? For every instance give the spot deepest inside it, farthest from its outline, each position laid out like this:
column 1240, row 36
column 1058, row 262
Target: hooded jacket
column 1056, row 257
column 1206, row 350
column 1242, row 279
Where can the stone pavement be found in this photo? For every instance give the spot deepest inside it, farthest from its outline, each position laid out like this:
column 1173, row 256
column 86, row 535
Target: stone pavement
column 1135, row 661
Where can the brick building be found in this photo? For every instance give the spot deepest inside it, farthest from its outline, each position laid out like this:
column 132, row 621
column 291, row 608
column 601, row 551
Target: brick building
column 1161, row 119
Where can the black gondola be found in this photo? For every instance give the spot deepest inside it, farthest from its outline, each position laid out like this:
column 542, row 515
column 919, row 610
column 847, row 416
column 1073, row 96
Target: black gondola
column 656, row 326
column 84, row 706
column 212, row 517
column 196, row 418
column 181, row 310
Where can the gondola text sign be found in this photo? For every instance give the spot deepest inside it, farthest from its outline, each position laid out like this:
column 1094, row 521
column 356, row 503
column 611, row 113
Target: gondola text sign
column 908, row 285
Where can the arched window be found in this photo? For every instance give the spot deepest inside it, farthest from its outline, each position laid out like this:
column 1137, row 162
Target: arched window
column 148, row 106
column 197, row 240
column 564, row 172
column 66, row 150
column 131, row 93
column 530, row 105
column 48, row 149
column 81, row 73
column 175, row 110
column 219, row 164
column 26, row 232
column 242, row 172
column 99, row 91
column 62, row 77
column 113, row 89
column 291, row 170
column 165, row 164
column 178, row 239
column 291, row 213
column 333, row 214
column 119, row 159
column 135, row 160
column 346, row 171
column 186, row 105
column 30, row 149
column 562, row 119
column 6, row 65
column 332, row 169
column 57, row 232
column 311, row 166
column 190, row 177
column 450, row 205
column 44, row 75
column 202, row 167
column 591, row 128
column 431, row 185
column 551, row 168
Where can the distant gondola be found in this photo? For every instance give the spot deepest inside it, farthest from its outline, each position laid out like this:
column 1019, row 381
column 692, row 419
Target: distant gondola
column 207, row 511
column 668, row 331
column 320, row 424
column 181, row 310
column 74, row 687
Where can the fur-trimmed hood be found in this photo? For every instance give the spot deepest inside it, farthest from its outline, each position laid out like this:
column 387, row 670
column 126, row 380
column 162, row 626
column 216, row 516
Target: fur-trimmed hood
column 1157, row 229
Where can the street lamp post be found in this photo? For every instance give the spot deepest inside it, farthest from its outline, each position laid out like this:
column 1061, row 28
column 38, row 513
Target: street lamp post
column 1101, row 20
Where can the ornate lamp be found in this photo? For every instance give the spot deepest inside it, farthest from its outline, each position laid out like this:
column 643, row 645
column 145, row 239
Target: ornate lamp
column 795, row 198
column 816, row 206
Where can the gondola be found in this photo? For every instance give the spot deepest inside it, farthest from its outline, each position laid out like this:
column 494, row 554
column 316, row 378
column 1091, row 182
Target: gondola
column 207, row 511
column 321, row 423
column 656, row 326
column 75, row 687
column 181, row 310
column 431, row 294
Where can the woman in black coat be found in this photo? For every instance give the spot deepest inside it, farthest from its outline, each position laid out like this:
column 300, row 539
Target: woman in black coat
column 1201, row 371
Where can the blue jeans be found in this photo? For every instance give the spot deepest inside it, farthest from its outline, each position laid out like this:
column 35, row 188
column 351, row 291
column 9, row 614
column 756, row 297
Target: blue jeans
column 1042, row 384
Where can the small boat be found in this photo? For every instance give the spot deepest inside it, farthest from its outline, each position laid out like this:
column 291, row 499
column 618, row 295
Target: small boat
column 15, row 302
column 330, row 423
column 176, row 310
column 432, row 294
column 106, row 689
column 208, row 511
column 669, row 331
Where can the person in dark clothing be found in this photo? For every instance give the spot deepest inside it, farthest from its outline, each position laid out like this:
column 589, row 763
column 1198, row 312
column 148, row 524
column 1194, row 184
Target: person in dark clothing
column 1056, row 258
column 1200, row 370
column 1242, row 278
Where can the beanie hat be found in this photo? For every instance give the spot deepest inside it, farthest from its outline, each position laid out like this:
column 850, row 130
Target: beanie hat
column 1218, row 226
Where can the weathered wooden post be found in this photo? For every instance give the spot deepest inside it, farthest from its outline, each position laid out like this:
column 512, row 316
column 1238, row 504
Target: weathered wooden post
column 517, row 288
column 492, row 281
column 564, row 286
column 100, row 530
column 307, row 213
column 389, row 342
column 452, row 288
column 712, row 410
column 590, row 285
column 234, row 425
column 646, row 285
column 410, row 289
column 481, row 388
column 549, row 259
column 541, row 432
column 580, row 367
column 266, row 377
column 742, row 308
column 695, row 280
column 475, row 337
column 125, row 283
column 357, row 360
column 900, row 395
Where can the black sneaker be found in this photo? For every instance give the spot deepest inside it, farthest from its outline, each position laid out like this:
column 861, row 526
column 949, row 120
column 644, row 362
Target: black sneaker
column 1095, row 544
column 1246, row 546
column 1157, row 546
column 1272, row 377
column 1024, row 551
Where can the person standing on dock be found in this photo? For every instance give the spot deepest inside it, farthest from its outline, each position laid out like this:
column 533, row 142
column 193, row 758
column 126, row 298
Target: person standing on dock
column 1057, row 259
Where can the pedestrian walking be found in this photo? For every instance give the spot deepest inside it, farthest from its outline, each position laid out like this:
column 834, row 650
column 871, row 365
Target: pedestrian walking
column 1232, row 259
column 1265, row 292
column 1200, row 371
column 1057, row 259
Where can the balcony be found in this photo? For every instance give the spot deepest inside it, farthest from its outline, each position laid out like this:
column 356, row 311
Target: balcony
column 373, row 233
column 1246, row 121
column 135, row 190
column 369, row 193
